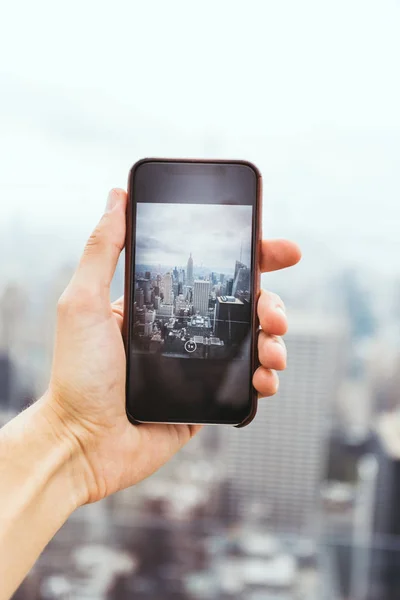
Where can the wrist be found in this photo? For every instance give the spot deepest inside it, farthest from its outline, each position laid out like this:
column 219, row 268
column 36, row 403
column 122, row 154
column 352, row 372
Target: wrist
column 39, row 489
column 59, row 431
column 43, row 458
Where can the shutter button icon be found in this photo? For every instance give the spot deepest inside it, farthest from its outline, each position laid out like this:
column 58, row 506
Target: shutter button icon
column 190, row 346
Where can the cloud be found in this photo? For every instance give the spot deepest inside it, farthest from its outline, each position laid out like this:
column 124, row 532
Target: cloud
column 215, row 235
column 152, row 243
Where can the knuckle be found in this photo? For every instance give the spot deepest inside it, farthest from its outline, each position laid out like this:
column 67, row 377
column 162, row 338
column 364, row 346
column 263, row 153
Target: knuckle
column 63, row 304
column 97, row 237
column 104, row 235
column 76, row 300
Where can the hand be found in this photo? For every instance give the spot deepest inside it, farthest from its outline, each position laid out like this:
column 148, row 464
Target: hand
column 85, row 401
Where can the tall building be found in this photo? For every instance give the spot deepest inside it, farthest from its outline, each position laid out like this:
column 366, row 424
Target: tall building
column 381, row 557
column 182, row 277
column 189, row 271
column 277, row 461
column 12, row 305
column 238, row 265
column 145, row 285
column 188, row 293
column 6, row 380
column 228, row 286
column 231, row 319
column 241, row 283
column 201, row 294
column 175, row 289
column 140, row 297
column 167, row 288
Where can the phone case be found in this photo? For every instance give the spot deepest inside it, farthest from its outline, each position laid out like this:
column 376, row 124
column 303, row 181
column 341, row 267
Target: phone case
column 257, row 233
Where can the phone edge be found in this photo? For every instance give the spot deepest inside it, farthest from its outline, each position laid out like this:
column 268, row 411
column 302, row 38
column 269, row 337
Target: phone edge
column 257, row 279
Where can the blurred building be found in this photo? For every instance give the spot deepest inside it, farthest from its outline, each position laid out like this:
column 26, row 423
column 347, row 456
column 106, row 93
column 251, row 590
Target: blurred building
column 276, row 463
column 17, row 368
column 6, row 381
column 382, row 565
column 11, row 306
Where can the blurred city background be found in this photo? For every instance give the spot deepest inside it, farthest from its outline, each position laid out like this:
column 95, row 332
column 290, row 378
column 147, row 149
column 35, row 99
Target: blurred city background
column 302, row 504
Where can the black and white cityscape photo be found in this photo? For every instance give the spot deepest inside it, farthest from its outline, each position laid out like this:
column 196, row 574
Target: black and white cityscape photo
column 192, row 279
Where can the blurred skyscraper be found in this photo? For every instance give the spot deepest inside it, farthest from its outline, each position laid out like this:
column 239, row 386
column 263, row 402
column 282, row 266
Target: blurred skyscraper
column 382, row 575
column 15, row 374
column 12, row 305
column 6, row 379
column 277, row 462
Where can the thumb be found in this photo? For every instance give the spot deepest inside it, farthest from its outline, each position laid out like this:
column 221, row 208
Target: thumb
column 102, row 250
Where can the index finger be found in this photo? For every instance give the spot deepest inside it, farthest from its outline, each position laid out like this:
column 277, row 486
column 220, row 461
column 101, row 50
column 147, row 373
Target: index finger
column 278, row 254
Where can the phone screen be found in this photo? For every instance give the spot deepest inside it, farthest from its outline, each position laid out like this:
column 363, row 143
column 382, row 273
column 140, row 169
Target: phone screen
column 191, row 326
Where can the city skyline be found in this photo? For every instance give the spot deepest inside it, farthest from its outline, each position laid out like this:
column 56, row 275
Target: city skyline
column 179, row 314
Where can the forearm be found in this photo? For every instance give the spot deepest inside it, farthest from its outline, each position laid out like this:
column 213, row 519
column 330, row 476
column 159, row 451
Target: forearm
column 38, row 491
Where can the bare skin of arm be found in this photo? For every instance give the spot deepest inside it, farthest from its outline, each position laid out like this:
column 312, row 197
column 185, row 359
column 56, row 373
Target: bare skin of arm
column 75, row 445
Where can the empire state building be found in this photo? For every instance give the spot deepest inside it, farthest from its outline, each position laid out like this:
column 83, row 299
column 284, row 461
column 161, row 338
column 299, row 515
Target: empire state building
column 189, row 270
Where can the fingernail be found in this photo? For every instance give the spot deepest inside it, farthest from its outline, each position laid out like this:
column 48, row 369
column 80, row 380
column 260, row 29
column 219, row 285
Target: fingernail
column 281, row 309
column 111, row 200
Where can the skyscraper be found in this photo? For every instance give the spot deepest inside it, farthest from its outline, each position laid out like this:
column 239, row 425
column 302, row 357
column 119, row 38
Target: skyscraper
column 278, row 460
column 201, row 293
column 231, row 319
column 229, row 286
column 189, row 271
column 167, row 288
column 144, row 284
column 182, row 276
column 238, row 265
column 6, row 378
column 241, row 283
column 381, row 560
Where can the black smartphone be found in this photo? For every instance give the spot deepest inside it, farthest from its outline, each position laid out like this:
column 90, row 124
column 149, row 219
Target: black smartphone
column 192, row 282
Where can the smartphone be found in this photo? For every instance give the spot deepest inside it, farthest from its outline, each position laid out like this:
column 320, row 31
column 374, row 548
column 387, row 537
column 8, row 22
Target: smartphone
column 192, row 281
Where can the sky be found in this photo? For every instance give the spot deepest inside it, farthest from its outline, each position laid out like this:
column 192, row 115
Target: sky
column 307, row 90
column 215, row 235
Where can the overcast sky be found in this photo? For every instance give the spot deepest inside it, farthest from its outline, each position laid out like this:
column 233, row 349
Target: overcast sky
column 215, row 235
column 307, row 90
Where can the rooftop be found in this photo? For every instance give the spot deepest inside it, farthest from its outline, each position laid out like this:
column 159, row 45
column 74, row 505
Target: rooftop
column 228, row 300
